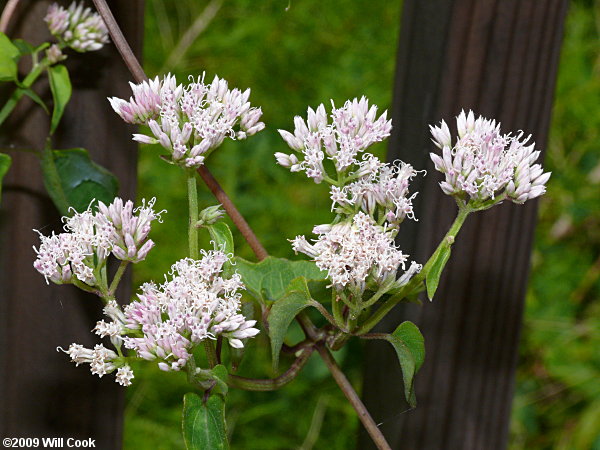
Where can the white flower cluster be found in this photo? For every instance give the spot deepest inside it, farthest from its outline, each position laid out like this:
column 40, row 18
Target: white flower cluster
column 382, row 190
column 102, row 361
column 352, row 251
column 189, row 121
column 77, row 27
column 353, row 128
column 371, row 198
column 483, row 163
column 196, row 303
column 90, row 237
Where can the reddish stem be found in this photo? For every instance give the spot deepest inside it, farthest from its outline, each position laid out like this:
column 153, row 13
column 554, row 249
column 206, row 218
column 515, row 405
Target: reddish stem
column 233, row 213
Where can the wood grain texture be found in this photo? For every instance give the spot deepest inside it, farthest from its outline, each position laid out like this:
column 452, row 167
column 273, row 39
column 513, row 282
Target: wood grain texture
column 43, row 394
column 499, row 58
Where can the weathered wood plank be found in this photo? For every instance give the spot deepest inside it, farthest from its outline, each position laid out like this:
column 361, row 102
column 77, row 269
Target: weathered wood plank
column 498, row 58
column 42, row 393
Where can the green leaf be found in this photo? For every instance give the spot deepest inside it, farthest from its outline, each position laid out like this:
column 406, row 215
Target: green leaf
column 73, row 180
column 60, row 85
column 268, row 280
column 282, row 314
column 221, row 235
column 25, row 48
column 204, row 423
column 9, row 55
column 433, row 277
column 33, row 96
column 409, row 345
column 5, row 162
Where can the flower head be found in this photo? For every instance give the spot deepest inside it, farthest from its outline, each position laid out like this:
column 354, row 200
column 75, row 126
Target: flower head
column 78, row 27
column 102, row 361
column 483, row 163
column 90, row 237
column 381, row 189
column 194, row 304
column 353, row 128
column 189, row 121
column 354, row 252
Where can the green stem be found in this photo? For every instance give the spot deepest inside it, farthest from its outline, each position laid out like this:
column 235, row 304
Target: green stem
column 448, row 240
column 211, row 353
column 33, row 75
column 117, row 278
column 377, row 295
column 193, row 206
column 336, row 304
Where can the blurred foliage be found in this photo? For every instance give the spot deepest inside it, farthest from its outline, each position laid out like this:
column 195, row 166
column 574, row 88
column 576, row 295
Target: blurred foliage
column 298, row 53
column 557, row 402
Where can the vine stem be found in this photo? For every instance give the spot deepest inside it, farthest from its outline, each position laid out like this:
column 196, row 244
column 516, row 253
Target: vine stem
column 138, row 73
column 7, row 14
column 353, row 398
column 252, row 384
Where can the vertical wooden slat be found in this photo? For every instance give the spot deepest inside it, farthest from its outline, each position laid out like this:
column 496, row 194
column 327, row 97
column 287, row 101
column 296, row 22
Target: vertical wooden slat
column 42, row 393
column 498, row 57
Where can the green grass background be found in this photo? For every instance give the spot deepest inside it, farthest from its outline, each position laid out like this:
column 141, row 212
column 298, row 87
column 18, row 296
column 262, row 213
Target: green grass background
column 303, row 53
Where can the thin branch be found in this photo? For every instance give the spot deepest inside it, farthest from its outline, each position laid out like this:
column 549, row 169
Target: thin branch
column 120, row 42
column 253, row 384
column 353, row 398
column 7, row 14
column 233, row 213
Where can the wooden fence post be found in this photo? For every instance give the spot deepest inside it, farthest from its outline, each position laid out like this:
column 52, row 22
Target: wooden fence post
column 498, row 58
column 42, row 393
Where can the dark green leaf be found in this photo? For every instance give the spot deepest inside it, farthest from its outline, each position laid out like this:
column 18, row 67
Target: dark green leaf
column 9, row 54
column 268, row 280
column 204, row 423
column 60, row 84
column 73, row 180
column 282, row 314
column 433, row 277
column 410, row 348
column 33, row 96
column 5, row 162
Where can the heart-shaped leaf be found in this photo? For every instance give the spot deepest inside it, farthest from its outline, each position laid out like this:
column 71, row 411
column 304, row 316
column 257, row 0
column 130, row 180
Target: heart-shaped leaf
column 73, row 180
column 204, row 423
column 409, row 345
column 268, row 280
column 283, row 312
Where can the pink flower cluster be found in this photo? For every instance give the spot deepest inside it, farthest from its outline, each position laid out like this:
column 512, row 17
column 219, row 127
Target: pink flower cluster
column 381, row 192
column 353, row 128
column 90, row 237
column 483, row 163
column 189, row 121
column 77, row 27
column 356, row 251
column 195, row 304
